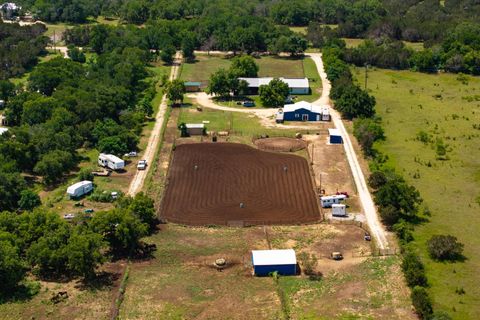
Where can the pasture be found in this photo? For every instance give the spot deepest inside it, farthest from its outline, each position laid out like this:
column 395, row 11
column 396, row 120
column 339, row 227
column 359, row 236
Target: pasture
column 180, row 281
column 269, row 66
column 419, row 112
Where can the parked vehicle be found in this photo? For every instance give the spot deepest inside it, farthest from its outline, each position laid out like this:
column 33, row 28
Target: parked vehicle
column 142, row 165
column 130, row 154
column 336, row 256
column 88, row 210
column 69, row 216
column 367, row 237
column 345, row 193
column 79, row 189
column 110, row 161
column 327, row 201
column 339, row 210
column 248, row 103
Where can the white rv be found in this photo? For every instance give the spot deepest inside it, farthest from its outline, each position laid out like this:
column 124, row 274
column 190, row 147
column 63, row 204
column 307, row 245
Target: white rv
column 327, row 201
column 110, row 161
column 339, row 210
column 79, row 189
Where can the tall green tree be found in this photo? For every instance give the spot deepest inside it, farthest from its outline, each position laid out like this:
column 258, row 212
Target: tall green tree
column 274, row 93
column 355, row 102
column 175, row 91
column 244, row 66
column 83, row 253
column 12, row 268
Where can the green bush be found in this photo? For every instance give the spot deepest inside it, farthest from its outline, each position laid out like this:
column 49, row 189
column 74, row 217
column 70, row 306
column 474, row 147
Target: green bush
column 413, row 269
column 422, row 302
column 444, row 247
column 85, row 174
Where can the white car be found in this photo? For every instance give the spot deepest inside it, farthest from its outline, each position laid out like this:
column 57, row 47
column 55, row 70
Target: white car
column 68, row 216
column 142, row 165
column 130, row 154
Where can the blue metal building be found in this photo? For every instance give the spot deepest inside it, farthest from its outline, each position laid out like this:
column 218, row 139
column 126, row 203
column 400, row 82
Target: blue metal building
column 335, row 136
column 265, row 262
column 302, row 111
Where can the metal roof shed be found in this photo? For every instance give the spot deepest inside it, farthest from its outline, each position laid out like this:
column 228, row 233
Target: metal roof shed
column 284, row 262
column 335, row 136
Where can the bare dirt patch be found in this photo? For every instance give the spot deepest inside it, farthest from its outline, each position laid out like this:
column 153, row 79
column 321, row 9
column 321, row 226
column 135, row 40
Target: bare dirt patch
column 227, row 183
column 280, row 144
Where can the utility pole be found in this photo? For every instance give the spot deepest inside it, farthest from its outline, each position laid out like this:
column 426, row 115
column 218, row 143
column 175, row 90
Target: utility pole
column 366, row 76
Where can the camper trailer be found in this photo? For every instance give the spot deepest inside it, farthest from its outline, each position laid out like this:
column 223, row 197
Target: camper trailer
column 339, row 210
column 79, row 189
column 110, row 161
column 327, row 201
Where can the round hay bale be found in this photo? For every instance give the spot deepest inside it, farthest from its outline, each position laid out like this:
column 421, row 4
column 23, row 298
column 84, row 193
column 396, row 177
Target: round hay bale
column 280, row 144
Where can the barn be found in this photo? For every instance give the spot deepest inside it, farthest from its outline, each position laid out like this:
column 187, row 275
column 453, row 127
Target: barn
column 284, row 262
column 302, row 111
column 296, row 85
column 335, row 136
column 195, row 129
column 192, row 86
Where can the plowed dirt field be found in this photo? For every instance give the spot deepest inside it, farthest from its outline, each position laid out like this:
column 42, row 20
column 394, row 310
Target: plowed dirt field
column 234, row 184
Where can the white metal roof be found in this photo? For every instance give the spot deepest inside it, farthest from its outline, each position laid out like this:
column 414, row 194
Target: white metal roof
column 335, row 196
column 195, row 125
column 302, row 105
column 112, row 158
column 3, row 130
column 77, row 185
column 292, row 82
column 273, row 257
column 334, row 132
column 338, row 205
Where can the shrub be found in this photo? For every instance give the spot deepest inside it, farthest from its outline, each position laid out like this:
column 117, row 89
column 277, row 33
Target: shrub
column 444, row 247
column 85, row 174
column 413, row 269
column 377, row 179
column 422, row 302
column 389, row 215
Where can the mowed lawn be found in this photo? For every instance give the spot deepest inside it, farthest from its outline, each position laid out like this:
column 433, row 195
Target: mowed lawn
column 444, row 107
column 205, row 65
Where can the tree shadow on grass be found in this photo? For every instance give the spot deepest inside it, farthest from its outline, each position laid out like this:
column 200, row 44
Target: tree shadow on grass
column 23, row 292
column 103, row 280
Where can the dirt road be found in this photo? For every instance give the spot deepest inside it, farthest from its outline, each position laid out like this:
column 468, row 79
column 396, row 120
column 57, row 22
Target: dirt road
column 266, row 116
column 152, row 146
column 377, row 229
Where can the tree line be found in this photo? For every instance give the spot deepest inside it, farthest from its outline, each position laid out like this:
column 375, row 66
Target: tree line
column 42, row 243
column 68, row 105
column 459, row 51
column 20, row 47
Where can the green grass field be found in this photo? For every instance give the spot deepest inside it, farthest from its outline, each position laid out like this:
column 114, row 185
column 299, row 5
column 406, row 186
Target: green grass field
column 353, row 43
column 269, row 67
column 241, row 124
column 443, row 107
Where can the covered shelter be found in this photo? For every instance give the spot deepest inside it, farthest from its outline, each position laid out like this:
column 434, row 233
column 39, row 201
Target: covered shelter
column 192, row 86
column 265, row 262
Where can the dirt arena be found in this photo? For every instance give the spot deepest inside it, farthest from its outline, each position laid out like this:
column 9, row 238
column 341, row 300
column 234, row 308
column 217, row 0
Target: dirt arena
column 281, row 144
column 208, row 182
